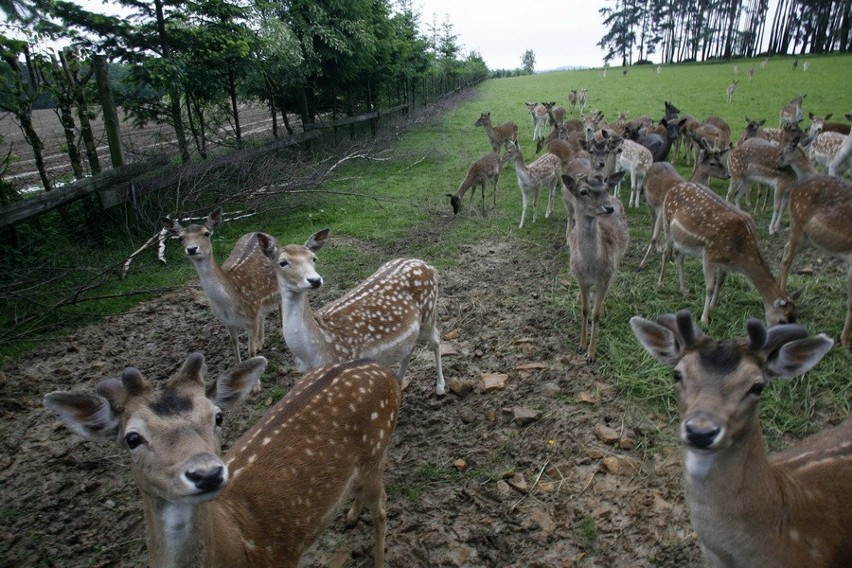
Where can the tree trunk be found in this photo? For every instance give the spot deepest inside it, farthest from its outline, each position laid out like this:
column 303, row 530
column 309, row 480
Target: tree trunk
column 111, row 122
column 174, row 93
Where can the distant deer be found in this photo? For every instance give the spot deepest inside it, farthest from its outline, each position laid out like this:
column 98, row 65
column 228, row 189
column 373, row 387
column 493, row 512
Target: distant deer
column 750, row 73
column 764, row 63
column 792, row 112
column 483, row 171
column 572, row 100
column 700, row 223
column 785, row 510
column 736, row 69
column 659, row 69
column 661, row 176
column 279, row 487
column 242, row 290
column 540, row 117
column 499, row 136
column 820, row 213
column 581, row 100
column 541, row 174
column 597, row 242
column 729, row 92
column 842, row 161
column 806, row 65
column 382, row 318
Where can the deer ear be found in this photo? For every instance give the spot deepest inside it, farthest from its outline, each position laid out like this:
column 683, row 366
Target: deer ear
column 214, row 220
column 234, row 385
column 268, row 246
column 796, row 357
column 659, row 341
column 171, row 225
column 317, row 240
column 90, row 416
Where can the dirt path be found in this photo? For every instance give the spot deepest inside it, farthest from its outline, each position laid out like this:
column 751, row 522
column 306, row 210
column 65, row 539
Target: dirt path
column 472, row 479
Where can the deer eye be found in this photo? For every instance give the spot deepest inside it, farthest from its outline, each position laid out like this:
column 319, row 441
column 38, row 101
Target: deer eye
column 134, row 440
column 677, row 376
column 219, row 419
column 756, row 389
column 283, row 263
column 584, row 192
column 206, row 234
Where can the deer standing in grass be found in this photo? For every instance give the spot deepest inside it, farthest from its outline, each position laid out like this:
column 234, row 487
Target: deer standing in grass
column 698, row 222
column 792, row 509
column 581, row 100
column 661, row 176
column 382, row 318
column 824, row 148
column 276, row 491
column 540, row 117
column 483, row 171
column 541, row 174
column 242, row 290
column 597, row 242
column 498, row 136
column 792, row 112
column 634, row 159
column 729, row 92
column 820, row 214
column 572, row 100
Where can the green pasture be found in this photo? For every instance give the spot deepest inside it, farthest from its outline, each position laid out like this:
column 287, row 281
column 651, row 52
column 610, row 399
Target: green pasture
column 391, row 199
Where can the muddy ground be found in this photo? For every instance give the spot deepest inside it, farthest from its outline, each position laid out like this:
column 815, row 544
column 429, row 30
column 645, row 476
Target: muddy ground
column 472, row 479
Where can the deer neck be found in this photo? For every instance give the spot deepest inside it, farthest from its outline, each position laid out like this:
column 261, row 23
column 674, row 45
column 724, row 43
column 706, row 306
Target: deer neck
column 215, row 282
column 174, row 533
column 764, row 282
column 304, row 333
column 729, row 489
column 521, row 169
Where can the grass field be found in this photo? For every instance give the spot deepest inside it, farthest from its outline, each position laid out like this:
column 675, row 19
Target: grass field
column 386, row 199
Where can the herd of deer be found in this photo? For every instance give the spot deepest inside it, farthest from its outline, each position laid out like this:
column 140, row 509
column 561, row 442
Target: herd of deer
column 278, row 488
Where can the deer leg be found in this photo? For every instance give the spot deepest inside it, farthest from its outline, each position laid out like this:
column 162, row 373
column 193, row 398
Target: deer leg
column 667, row 252
column 709, row 286
column 234, row 332
column 524, row 201
column 535, row 204
column 435, row 344
column 720, row 279
column 494, row 192
column 655, row 236
column 584, row 301
column 600, row 296
column 681, row 273
column 789, row 253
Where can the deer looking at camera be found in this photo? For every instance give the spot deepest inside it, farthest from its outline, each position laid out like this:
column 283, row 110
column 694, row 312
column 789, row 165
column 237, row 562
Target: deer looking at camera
column 242, row 290
column 698, row 222
column 276, row 491
column 498, row 136
column 786, row 510
column 382, row 318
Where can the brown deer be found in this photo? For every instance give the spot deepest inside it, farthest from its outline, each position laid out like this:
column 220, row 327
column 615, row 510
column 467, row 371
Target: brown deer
column 700, row 223
column 240, row 291
column 556, row 113
column 582, row 98
column 821, row 124
column 597, row 242
column 661, row 176
column 820, row 214
column 572, row 100
column 792, row 112
column 382, row 318
column 275, row 492
column 499, row 136
column 541, row 174
column 785, row 510
column 540, row 117
column 483, row 171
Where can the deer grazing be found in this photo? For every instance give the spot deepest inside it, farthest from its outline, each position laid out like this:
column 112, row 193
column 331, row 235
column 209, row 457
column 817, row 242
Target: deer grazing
column 242, row 290
column 792, row 112
column 843, row 159
column 785, row 510
column 382, row 318
column 820, row 211
column 275, row 492
column 540, row 117
column 483, row 171
column 499, row 136
column 730, row 90
column 541, row 174
column 597, row 242
column 661, row 176
column 700, row 223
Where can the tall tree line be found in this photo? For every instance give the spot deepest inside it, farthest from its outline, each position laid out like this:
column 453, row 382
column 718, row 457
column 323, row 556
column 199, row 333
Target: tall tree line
column 698, row 30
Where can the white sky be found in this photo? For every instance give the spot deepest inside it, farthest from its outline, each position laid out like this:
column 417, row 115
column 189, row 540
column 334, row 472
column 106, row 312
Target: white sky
column 559, row 32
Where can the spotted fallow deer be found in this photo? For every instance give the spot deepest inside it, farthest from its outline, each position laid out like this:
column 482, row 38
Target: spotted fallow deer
column 541, row 174
column 382, row 318
column 820, row 214
column 281, row 484
column 792, row 112
column 821, row 124
column 634, row 159
column 498, row 136
column 597, row 242
column 700, row 223
column 242, row 290
column 540, row 117
column 786, row 510
column 661, row 176
column 824, row 147
column 483, row 171
column 842, row 161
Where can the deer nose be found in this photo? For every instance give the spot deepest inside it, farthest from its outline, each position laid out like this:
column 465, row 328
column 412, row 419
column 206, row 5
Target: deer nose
column 207, row 480
column 609, row 209
column 315, row 282
column 191, row 251
column 701, row 432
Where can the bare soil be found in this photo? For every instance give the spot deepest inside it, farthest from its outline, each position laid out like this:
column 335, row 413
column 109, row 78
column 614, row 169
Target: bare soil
column 472, row 481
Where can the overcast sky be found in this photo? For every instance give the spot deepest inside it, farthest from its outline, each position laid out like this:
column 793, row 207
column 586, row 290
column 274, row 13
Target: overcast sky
column 559, row 32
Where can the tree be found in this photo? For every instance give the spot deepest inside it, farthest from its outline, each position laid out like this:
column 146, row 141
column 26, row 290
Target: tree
column 528, row 61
